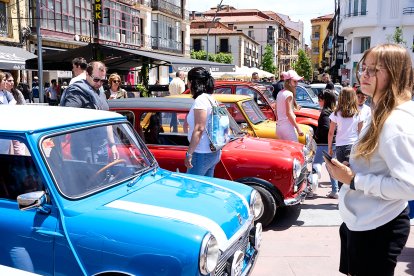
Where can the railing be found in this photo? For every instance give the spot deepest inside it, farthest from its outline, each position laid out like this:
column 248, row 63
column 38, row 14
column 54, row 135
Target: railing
column 408, row 10
column 166, row 7
column 167, row 45
column 356, row 14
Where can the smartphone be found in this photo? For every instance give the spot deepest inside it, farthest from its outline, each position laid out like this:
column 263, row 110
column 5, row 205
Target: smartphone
column 326, row 154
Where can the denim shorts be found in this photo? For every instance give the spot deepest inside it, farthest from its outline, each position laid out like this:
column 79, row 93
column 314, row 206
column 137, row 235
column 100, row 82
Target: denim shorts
column 204, row 163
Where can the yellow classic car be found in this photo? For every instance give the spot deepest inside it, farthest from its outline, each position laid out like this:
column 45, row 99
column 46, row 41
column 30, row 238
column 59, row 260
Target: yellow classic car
column 252, row 120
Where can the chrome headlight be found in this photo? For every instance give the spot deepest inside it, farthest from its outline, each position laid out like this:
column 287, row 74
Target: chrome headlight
column 297, row 168
column 256, row 204
column 209, row 254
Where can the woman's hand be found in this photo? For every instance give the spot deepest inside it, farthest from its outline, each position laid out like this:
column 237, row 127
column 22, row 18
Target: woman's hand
column 299, row 131
column 115, row 153
column 339, row 171
column 187, row 161
column 330, row 151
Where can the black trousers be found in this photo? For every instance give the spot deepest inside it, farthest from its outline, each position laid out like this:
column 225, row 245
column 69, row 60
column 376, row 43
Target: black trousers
column 374, row 252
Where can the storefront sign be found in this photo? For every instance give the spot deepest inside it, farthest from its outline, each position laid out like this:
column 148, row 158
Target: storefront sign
column 98, row 10
column 83, row 38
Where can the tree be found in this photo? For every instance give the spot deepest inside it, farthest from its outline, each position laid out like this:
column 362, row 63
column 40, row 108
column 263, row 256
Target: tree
column 397, row 37
column 304, row 65
column 268, row 62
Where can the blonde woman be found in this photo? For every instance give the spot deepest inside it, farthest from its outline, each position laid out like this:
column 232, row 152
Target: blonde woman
column 347, row 123
column 285, row 103
column 115, row 91
column 378, row 181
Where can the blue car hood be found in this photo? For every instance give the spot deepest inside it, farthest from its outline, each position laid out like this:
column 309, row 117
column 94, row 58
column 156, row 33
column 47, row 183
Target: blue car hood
column 210, row 203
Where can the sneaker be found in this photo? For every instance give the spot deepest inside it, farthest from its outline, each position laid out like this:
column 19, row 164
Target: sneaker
column 332, row 195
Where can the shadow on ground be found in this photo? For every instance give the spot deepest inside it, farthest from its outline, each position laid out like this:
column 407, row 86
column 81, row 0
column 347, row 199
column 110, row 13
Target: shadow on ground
column 407, row 256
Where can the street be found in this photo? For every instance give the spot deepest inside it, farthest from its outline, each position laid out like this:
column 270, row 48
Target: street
column 304, row 240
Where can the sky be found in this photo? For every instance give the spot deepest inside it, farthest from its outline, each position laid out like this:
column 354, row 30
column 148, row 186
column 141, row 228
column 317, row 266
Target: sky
column 303, row 10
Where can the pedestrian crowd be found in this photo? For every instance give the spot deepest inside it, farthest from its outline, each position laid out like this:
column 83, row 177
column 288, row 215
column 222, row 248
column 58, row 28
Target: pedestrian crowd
column 370, row 146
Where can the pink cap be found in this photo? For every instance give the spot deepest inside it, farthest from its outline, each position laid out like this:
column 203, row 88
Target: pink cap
column 291, row 74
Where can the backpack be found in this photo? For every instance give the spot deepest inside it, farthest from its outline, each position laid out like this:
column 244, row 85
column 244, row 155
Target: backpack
column 217, row 127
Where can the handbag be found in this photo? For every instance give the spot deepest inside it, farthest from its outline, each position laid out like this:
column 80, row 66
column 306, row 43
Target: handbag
column 217, row 128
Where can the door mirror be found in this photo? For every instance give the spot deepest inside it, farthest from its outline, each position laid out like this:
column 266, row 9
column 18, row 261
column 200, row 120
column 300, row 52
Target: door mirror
column 32, row 200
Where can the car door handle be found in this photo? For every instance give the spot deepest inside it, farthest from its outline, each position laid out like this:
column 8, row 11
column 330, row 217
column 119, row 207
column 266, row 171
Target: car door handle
column 48, row 232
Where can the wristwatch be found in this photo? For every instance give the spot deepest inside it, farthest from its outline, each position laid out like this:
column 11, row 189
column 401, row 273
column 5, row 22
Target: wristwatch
column 352, row 183
column 187, row 154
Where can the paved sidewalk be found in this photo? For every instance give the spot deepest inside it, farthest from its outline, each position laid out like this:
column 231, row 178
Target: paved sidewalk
column 305, row 241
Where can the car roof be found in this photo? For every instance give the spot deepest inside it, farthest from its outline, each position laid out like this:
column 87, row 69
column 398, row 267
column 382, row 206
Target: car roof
column 183, row 102
column 25, row 118
column 231, row 98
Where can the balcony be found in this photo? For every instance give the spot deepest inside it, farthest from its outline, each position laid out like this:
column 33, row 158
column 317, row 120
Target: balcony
column 408, row 11
column 348, row 22
column 166, row 45
column 167, row 7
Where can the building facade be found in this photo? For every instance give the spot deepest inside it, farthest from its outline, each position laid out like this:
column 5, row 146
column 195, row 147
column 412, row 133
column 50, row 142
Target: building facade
column 256, row 24
column 152, row 25
column 224, row 39
column 366, row 23
column 319, row 31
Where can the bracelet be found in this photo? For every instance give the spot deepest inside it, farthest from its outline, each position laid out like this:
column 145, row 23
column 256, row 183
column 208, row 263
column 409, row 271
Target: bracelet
column 352, row 184
column 187, row 154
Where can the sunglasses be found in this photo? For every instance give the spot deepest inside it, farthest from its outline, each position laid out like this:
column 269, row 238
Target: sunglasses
column 96, row 79
column 116, row 81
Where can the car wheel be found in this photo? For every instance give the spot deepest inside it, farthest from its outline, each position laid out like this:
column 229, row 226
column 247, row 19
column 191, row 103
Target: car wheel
column 269, row 205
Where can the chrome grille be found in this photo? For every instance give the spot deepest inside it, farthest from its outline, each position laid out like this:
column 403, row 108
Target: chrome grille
column 303, row 175
column 222, row 268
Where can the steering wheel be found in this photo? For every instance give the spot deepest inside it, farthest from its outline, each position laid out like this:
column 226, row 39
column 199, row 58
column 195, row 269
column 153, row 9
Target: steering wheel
column 113, row 163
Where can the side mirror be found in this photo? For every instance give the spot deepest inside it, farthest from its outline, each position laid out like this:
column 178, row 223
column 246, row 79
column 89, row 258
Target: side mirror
column 243, row 125
column 33, row 200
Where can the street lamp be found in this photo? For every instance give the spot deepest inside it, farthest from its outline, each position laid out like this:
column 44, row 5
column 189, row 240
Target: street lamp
column 219, row 7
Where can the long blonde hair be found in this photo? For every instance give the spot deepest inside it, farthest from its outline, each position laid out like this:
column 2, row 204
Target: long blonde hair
column 347, row 103
column 397, row 62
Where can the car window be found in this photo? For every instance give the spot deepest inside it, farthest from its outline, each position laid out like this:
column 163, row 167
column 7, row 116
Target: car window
column 222, row 90
column 165, row 128
column 235, row 112
column 243, row 90
column 301, row 94
column 82, row 161
column 253, row 112
column 18, row 173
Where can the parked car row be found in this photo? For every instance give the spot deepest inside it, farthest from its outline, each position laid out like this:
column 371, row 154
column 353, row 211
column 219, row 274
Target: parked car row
column 67, row 208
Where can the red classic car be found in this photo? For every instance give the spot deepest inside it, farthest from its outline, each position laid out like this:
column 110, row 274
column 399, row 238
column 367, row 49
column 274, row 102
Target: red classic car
column 264, row 99
column 276, row 168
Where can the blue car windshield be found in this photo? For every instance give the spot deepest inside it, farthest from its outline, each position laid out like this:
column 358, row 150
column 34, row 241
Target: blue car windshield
column 85, row 161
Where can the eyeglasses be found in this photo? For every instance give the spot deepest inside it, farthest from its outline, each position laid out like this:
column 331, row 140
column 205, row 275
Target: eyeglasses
column 369, row 70
column 96, row 79
column 116, row 81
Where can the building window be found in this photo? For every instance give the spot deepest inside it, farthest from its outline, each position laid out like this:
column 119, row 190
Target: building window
column 356, row 7
column 363, row 7
column 224, row 46
column 251, row 34
column 365, row 43
column 3, row 20
column 349, row 7
column 197, row 44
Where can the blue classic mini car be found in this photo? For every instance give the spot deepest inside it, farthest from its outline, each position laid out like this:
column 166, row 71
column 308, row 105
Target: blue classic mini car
column 80, row 194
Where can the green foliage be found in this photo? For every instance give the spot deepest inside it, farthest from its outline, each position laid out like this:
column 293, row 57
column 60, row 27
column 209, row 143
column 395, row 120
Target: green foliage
column 224, row 58
column 220, row 57
column 145, row 80
column 304, row 65
column 397, row 37
column 142, row 89
column 268, row 61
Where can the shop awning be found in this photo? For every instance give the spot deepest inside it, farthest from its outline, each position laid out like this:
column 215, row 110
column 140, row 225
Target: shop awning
column 122, row 59
column 14, row 58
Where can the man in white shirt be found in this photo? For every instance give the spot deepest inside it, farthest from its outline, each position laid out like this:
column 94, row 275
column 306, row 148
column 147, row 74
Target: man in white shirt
column 364, row 110
column 177, row 85
column 79, row 69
